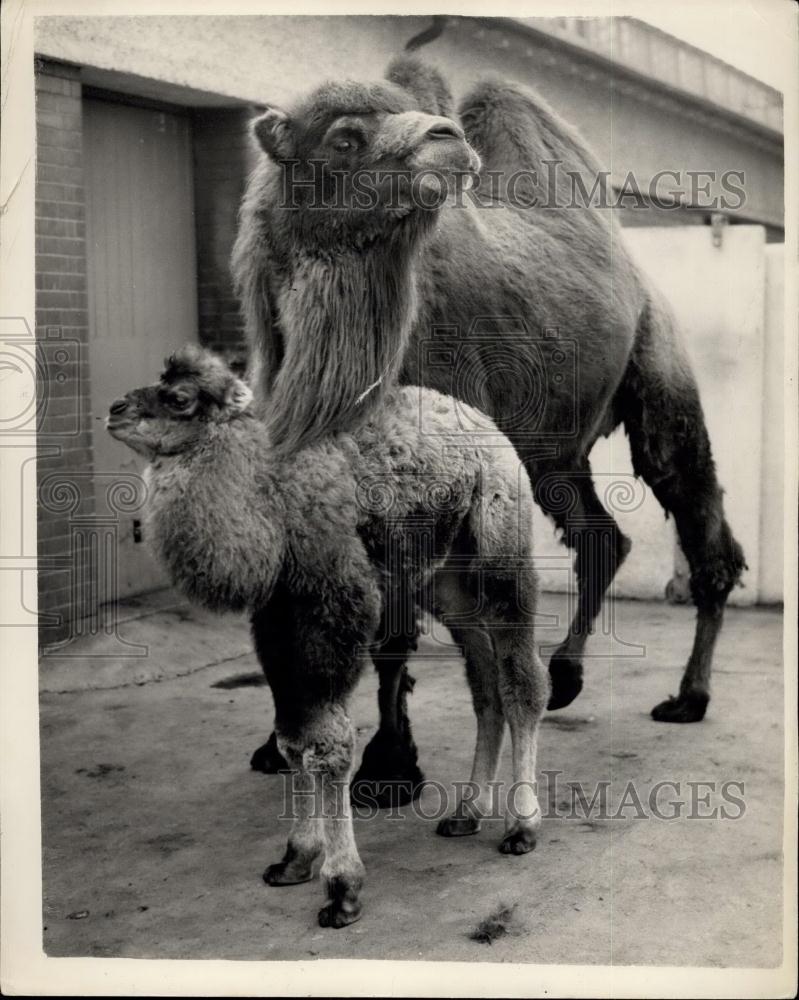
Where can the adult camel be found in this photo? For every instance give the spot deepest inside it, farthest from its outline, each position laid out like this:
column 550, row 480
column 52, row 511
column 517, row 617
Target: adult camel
column 523, row 304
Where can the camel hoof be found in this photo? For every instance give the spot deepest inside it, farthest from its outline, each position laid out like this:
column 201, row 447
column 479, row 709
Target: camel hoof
column 344, row 906
column 388, row 776
column 566, row 676
column 689, row 707
column 518, row 842
column 288, row 873
column 458, row 826
column 338, row 915
column 268, row 759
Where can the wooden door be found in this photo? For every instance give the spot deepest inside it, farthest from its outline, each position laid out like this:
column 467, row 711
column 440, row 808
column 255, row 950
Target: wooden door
column 142, row 285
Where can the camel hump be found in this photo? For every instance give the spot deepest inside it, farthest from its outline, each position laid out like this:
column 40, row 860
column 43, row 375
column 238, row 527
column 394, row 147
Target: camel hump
column 514, row 129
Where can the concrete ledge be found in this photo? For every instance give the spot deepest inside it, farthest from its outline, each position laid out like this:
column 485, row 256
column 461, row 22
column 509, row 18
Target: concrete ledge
column 151, row 643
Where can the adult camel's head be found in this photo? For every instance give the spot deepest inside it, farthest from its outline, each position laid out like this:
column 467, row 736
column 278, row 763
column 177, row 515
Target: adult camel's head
column 352, row 179
column 364, row 158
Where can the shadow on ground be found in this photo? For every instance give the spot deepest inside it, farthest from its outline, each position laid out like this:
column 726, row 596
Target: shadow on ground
column 155, row 831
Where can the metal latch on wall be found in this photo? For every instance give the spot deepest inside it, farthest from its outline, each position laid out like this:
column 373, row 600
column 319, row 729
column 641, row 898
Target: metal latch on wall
column 718, row 223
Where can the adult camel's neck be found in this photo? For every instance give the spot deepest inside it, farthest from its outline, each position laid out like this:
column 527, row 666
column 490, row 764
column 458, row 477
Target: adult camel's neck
column 345, row 316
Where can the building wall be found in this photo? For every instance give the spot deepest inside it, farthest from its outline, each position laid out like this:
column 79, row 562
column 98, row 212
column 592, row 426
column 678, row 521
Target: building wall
column 223, row 157
column 222, row 68
column 64, row 428
column 772, row 548
column 633, row 124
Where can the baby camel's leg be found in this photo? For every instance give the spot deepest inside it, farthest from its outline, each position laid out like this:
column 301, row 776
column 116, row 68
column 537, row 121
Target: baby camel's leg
column 475, row 798
column 306, row 840
column 458, row 605
column 323, row 745
column 312, row 653
column 508, row 682
column 524, row 690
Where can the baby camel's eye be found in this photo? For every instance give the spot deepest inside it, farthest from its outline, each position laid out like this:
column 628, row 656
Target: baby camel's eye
column 177, row 401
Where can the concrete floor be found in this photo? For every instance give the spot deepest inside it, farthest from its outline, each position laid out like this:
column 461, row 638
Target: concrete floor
column 156, row 832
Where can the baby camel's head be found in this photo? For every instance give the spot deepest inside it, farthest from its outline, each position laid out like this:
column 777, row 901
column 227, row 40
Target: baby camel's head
column 196, row 389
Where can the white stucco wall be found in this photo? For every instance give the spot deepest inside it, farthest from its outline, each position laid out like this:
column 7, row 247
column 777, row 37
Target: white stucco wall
column 772, row 549
column 252, row 59
column 729, row 304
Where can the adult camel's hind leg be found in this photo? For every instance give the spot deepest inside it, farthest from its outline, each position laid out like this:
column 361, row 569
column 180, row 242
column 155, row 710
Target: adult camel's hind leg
column 663, row 417
column 569, row 497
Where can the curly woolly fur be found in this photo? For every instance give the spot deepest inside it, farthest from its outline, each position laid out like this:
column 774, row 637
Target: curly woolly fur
column 336, row 301
column 314, row 546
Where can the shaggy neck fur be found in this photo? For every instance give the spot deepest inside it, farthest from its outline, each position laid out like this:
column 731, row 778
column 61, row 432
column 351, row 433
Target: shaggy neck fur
column 226, row 556
column 355, row 314
column 342, row 302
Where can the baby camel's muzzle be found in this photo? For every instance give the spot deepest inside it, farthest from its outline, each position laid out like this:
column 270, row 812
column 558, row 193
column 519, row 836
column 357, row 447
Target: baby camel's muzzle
column 121, row 413
column 118, row 407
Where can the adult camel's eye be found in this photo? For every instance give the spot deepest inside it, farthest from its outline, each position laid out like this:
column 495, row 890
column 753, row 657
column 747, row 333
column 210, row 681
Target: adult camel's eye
column 346, row 141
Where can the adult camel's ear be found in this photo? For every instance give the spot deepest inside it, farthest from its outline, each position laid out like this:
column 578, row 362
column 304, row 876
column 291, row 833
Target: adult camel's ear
column 274, row 134
column 425, row 83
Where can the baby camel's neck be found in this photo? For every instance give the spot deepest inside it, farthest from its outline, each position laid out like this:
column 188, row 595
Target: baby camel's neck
column 215, row 519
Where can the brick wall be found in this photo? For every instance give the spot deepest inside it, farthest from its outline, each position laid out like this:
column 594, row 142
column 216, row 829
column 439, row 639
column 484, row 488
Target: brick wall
column 64, row 462
column 223, row 157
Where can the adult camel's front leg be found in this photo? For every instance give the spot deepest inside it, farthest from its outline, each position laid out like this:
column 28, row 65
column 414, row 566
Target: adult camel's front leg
column 268, row 759
column 389, row 774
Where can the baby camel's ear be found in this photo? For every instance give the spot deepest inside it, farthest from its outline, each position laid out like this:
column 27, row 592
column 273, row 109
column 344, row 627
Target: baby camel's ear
column 274, row 134
column 238, row 396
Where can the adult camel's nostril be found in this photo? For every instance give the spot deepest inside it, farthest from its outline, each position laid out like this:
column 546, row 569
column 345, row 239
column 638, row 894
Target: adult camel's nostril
column 444, row 129
column 118, row 406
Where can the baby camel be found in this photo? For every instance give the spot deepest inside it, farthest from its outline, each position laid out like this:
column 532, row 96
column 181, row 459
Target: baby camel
column 414, row 505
